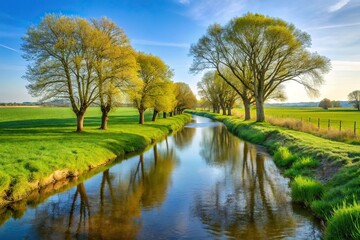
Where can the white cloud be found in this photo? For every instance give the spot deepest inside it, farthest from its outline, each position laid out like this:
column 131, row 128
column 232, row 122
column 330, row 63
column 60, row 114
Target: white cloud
column 213, row 10
column 335, row 26
column 160, row 44
column 339, row 5
column 10, row 48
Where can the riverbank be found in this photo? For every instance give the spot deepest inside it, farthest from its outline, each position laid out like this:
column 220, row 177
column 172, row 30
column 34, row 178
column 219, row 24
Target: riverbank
column 325, row 174
column 39, row 146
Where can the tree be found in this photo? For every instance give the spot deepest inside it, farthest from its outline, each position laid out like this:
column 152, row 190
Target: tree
column 60, row 50
column 185, row 98
column 153, row 73
column 210, row 52
column 325, row 104
column 336, row 104
column 262, row 53
column 275, row 52
column 115, row 68
column 354, row 98
column 166, row 100
column 217, row 92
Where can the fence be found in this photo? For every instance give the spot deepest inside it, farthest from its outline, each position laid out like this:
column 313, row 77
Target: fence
column 326, row 123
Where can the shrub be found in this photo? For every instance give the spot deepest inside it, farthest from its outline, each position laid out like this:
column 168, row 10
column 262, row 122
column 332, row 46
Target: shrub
column 283, row 157
column 306, row 190
column 345, row 223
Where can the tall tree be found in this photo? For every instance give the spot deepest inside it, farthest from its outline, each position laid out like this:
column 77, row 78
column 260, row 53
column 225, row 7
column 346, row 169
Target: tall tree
column 152, row 73
column 275, row 52
column 166, row 100
column 218, row 92
column 115, row 68
column 354, row 98
column 262, row 53
column 212, row 52
column 185, row 98
column 62, row 55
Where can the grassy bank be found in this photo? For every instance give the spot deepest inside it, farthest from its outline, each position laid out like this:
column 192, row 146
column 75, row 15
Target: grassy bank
column 325, row 174
column 39, row 145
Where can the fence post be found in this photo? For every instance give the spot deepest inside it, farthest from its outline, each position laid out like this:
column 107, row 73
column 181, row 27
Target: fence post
column 309, row 119
column 318, row 123
column 340, row 125
column 328, row 124
column 354, row 128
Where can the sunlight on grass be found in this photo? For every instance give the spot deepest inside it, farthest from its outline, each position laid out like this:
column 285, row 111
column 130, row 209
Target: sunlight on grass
column 35, row 142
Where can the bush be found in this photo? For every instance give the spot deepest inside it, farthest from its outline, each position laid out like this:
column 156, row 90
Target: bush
column 306, row 190
column 283, row 157
column 345, row 223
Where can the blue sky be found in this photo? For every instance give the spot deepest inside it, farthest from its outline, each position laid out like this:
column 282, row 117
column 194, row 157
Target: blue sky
column 166, row 28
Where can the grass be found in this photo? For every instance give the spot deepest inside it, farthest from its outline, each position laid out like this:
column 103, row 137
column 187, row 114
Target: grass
column 345, row 223
column 325, row 174
column 39, row 145
column 306, row 120
column 306, row 190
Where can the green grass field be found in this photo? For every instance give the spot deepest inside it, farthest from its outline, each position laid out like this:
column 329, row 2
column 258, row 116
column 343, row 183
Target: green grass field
column 36, row 142
column 346, row 115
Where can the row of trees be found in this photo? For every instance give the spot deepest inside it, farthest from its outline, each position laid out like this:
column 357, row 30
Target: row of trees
column 92, row 62
column 255, row 55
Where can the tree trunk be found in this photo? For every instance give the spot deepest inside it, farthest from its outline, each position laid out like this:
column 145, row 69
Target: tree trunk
column 214, row 109
column 247, row 110
column 164, row 114
column 141, row 117
column 229, row 110
column 80, row 121
column 171, row 114
column 104, row 118
column 154, row 115
column 223, row 108
column 260, row 113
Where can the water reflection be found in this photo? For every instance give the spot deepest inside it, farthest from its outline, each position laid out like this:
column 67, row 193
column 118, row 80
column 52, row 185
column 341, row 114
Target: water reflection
column 115, row 212
column 201, row 183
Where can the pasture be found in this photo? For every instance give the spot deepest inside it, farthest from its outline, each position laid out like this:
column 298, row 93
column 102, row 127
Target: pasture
column 36, row 142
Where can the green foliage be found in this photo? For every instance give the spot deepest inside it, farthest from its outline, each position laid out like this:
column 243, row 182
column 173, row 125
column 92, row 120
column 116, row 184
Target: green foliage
column 325, row 104
column 35, row 142
column 306, row 190
column 302, row 166
column 345, row 223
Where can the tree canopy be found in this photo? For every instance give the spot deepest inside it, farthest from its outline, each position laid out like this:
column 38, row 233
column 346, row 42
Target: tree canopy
column 262, row 53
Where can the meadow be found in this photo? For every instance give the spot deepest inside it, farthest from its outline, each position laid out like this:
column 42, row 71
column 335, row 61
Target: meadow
column 40, row 145
column 323, row 123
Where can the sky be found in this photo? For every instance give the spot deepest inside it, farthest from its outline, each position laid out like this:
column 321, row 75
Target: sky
column 167, row 28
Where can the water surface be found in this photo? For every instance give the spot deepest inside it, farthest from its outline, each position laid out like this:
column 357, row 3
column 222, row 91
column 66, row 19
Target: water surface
column 201, row 183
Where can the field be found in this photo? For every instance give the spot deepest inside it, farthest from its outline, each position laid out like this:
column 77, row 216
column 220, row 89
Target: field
column 340, row 124
column 36, row 142
column 347, row 116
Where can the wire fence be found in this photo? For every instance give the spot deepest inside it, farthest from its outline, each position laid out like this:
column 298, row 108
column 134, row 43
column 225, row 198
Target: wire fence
column 325, row 123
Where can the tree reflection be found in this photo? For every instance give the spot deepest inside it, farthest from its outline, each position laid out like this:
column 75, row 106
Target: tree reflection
column 217, row 147
column 249, row 201
column 115, row 211
column 183, row 138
